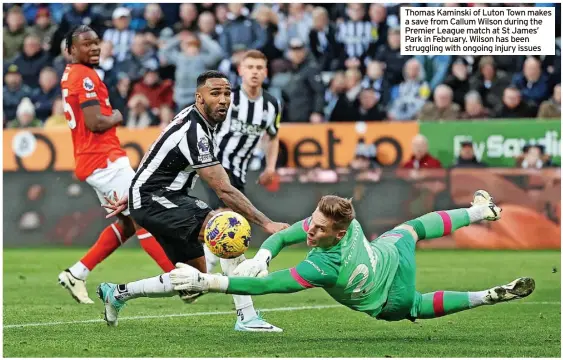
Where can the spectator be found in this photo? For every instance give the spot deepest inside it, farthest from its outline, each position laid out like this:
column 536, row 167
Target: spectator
column 551, row 109
column 158, row 92
column 139, row 58
column 458, row 80
column 241, row 30
column 14, row 91
column 435, row 68
column 44, row 28
column 14, row 32
column 155, row 24
column 467, row 158
column 57, row 118
column 25, row 116
column 221, row 14
column 421, row 158
column 166, row 116
column 139, row 114
column 45, row 95
column 230, row 65
column 188, row 18
column 120, row 94
column 120, row 36
column 532, row 82
column 370, row 108
column 474, row 109
column 106, row 69
column 378, row 16
column 355, row 34
column 443, row 107
column 195, row 56
column 32, row 60
column 79, row 14
column 305, row 90
column 513, row 106
column 534, row 157
column 268, row 21
column 490, row 82
column 353, row 84
column 60, row 62
column 297, row 25
column 322, row 41
column 375, row 79
column 338, row 107
column 409, row 97
column 206, row 25
column 390, row 55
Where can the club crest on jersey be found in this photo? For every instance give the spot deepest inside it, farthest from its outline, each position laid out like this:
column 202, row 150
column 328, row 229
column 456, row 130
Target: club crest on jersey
column 203, row 146
column 88, row 84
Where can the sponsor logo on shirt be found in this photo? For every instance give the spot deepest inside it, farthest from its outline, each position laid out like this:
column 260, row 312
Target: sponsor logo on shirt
column 91, row 95
column 88, row 84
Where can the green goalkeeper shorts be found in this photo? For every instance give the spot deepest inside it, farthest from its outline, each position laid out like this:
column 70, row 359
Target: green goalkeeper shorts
column 402, row 293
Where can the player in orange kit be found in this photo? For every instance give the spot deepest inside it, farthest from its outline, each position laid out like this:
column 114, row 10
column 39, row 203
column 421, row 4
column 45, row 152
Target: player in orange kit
column 100, row 160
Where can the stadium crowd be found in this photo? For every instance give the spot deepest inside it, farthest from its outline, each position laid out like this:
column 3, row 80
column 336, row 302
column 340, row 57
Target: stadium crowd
column 327, row 62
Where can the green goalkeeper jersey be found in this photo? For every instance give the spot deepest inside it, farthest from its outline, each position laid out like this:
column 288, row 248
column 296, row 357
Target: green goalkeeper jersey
column 355, row 272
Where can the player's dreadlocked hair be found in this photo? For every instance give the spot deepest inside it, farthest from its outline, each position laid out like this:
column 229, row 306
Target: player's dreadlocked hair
column 75, row 32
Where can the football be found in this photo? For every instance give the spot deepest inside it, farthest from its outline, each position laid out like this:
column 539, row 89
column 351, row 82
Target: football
column 227, row 234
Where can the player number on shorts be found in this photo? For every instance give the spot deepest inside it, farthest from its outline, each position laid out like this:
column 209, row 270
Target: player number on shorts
column 362, row 270
column 68, row 110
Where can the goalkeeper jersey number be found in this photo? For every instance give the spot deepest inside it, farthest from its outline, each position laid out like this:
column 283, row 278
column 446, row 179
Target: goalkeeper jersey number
column 355, row 272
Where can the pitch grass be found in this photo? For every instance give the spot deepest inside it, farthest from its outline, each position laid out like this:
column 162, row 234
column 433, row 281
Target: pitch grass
column 525, row 328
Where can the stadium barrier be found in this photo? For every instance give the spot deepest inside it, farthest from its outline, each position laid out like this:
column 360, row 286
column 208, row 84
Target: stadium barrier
column 301, row 145
column 52, row 208
column 496, row 143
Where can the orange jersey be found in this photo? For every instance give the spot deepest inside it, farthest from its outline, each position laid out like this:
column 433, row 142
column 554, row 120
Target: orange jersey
column 81, row 86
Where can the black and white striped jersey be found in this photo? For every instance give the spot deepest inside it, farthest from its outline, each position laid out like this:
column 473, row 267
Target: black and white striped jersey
column 247, row 121
column 355, row 36
column 170, row 164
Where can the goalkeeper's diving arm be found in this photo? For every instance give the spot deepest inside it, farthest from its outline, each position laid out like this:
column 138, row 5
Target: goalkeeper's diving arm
column 295, row 234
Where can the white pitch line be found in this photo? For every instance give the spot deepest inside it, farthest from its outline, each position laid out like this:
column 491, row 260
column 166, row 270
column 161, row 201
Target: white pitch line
column 210, row 313
column 207, row 313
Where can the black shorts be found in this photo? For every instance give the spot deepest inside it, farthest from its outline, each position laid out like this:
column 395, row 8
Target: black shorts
column 175, row 220
column 212, row 197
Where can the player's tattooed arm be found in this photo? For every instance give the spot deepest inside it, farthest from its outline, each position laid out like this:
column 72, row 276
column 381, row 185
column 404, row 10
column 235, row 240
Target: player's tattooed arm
column 216, row 177
column 96, row 122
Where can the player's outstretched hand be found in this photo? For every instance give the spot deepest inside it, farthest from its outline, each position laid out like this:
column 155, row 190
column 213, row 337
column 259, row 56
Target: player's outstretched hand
column 266, row 177
column 115, row 204
column 188, row 278
column 251, row 268
column 274, row 227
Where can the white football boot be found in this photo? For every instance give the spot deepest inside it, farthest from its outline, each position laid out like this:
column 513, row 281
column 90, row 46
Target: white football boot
column 256, row 324
column 518, row 289
column 76, row 287
column 481, row 198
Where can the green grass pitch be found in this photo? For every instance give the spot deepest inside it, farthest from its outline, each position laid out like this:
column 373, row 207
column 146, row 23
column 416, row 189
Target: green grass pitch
column 170, row 328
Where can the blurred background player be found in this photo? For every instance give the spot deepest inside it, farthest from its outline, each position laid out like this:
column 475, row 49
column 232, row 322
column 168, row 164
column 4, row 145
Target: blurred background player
column 376, row 278
column 100, row 160
column 254, row 114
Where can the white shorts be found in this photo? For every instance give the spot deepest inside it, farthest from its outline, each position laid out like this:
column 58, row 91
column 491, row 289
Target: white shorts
column 116, row 177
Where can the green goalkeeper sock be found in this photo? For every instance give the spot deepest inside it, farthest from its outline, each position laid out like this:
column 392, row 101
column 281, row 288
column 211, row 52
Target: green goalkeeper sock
column 440, row 223
column 442, row 303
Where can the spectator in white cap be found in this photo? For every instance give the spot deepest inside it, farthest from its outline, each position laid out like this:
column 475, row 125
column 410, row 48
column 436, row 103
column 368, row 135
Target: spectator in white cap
column 25, row 116
column 120, row 35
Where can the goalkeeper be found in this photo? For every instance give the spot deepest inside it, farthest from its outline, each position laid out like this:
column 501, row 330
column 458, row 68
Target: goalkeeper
column 377, row 278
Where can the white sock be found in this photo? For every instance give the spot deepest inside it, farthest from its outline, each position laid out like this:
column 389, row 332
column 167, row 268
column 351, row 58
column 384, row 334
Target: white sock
column 79, row 271
column 210, row 259
column 243, row 303
column 158, row 286
column 477, row 298
column 477, row 213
